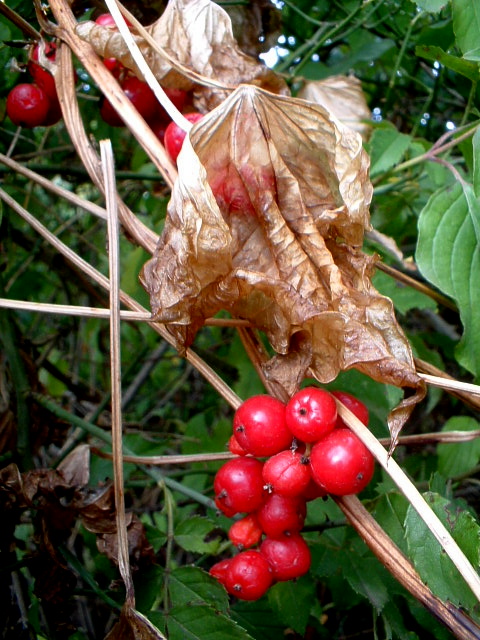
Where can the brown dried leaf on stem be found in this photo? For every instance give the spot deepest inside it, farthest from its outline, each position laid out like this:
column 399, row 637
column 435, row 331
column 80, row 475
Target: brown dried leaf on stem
column 266, row 220
column 197, row 35
column 344, row 97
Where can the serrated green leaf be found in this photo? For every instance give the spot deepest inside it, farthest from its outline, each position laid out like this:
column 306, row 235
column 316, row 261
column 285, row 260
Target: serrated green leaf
column 365, row 577
column 448, row 256
column 386, row 147
column 432, row 563
column 466, row 24
column 200, row 622
column 432, row 6
column 258, row 619
column 194, row 535
column 189, row 585
column 459, row 65
column 292, row 601
column 456, row 459
column 390, row 511
column 403, row 297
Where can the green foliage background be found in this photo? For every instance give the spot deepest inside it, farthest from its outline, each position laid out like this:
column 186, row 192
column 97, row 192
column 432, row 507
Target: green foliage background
column 419, row 67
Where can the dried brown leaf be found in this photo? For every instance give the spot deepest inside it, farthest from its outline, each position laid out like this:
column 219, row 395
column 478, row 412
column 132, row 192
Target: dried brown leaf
column 266, row 220
column 133, row 625
column 344, row 98
column 197, row 35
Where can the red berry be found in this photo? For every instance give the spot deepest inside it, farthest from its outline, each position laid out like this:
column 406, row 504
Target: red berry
column 280, row 515
column 313, row 491
column 109, row 114
column 355, row 405
column 41, row 76
column 341, row 464
column 114, row 66
column 175, row 135
column 238, row 486
column 139, row 94
column 219, row 570
column 287, row 473
column 248, row 576
column 27, row 105
column 106, row 20
column 178, row 97
column 235, row 447
column 259, row 426
column 246, row 532
column 289, row 556
column 311, row 414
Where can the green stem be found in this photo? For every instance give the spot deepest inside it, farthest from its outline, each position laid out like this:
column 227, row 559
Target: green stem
column 435, row 151
column 398, row 61
column 87, row 578
column 471, row 98
column 169, row 506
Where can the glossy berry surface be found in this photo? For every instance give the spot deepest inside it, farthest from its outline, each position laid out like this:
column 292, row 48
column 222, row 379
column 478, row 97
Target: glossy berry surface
column 235, row 447
column 355, row 405
column 249, row 576
column 238, row 486
column 287, row 473
column 246, row 532
column 280, row 515
column 175, row 135
column 27, row 105
column 311, row 414
column 341, row 464
column 41, row 76
column 139, row 94
column 259, row 426
column 106, row 20
column 289, row 556
column 219, row 570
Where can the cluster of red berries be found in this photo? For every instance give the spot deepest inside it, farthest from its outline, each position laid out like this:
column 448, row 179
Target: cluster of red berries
column 33, row 104
column 310, row 453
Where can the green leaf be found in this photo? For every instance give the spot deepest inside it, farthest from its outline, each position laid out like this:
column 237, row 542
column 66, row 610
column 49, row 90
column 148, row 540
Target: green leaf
column 193, row 535
column 432, row 6
column 448, row 256
column 476, row 162
column 386, row 147
column 189, row 585
column 403, row 297
column 199, row 622
column 366, row 577
column 466, row 24
column 459, row 65
column 292, row 601
column 390, row 511
column 258, row 619
column 431, row 561
column 456, row 459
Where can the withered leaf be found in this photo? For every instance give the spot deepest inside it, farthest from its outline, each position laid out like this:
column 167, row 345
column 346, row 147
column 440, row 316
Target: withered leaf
column 198, row 35
column 133, row 625
column 266, row 221
column 344, row 98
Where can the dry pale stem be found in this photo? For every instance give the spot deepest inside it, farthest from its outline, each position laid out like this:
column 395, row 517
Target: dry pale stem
column 412, row 494
column 398, row 564
column 202, row 367
column 115, row 368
